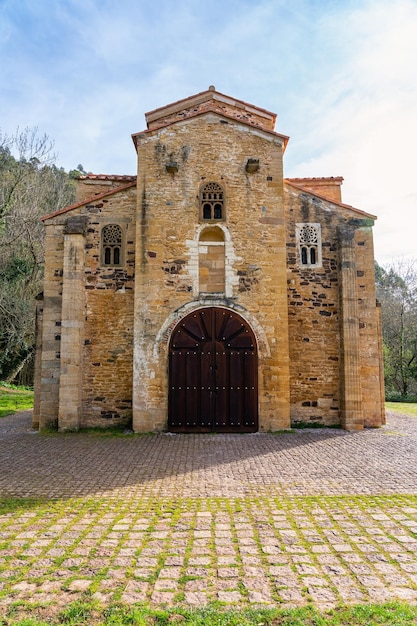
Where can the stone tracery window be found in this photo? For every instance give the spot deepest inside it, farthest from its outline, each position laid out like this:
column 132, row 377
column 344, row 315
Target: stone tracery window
column 111, row 243
column 309, row 244
column 212, row 205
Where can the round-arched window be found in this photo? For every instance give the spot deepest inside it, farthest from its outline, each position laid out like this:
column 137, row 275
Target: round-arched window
column 309, row 244
column 111, row 240
column 212, row 202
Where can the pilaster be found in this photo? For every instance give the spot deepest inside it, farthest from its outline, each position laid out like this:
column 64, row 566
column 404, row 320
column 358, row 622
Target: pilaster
column 350, row 382
column 381, row 364
column 72, row 324
column 38, row 363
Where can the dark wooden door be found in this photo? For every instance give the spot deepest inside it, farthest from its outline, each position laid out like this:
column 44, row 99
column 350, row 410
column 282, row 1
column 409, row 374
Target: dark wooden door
column 213, row 374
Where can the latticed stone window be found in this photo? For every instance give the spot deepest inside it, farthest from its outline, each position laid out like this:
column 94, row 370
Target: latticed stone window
column 212, row 202
column 111, row 243
column 309, row 244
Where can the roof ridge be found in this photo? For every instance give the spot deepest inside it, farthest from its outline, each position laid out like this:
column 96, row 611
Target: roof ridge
column 91, row 176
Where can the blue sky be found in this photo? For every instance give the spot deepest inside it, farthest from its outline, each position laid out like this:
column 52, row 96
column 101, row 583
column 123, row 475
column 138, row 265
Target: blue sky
column 340, row 74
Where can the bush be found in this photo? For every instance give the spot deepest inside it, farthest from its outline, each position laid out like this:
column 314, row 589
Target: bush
column 396, row 396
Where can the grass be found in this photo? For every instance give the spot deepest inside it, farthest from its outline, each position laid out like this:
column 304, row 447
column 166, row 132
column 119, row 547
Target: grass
column 406, row 408
column 90, row 613
column 13, row 398
column 69, row 523
column 87, row 611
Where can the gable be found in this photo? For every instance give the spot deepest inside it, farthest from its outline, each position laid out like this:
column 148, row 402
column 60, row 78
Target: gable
column 210, row 102
column 92, row 199
column 305, row 186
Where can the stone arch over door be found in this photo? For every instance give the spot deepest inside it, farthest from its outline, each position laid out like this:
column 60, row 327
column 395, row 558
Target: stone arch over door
column 213, row 367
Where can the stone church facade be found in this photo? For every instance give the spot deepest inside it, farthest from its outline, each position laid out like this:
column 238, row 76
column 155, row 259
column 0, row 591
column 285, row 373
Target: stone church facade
column 208, row 292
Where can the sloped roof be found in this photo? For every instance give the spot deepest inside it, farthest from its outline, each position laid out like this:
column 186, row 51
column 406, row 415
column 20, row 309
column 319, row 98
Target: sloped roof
column 109, row 177
column 327, row 179
column 299, row 187
column 99, row 196
column 209, row 95
column 215, row 102
column 296, row 183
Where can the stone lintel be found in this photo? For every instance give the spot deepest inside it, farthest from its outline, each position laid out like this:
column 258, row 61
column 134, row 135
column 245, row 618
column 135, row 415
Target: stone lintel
column 76, row 225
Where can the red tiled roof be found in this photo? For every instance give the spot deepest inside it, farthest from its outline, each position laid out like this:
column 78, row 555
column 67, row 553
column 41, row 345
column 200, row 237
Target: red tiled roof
column 124, row 177
column 330, row 179
column 210, row 90
column 148, row 131
column 77, row 205
column 289, row 181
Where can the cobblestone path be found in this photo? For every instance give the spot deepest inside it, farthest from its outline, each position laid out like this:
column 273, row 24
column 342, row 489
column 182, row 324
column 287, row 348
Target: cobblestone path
column 316, row 515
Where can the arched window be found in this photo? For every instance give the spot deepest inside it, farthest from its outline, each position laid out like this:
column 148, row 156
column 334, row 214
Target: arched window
column 309, row 243
column 111, row 244
column 212, row 202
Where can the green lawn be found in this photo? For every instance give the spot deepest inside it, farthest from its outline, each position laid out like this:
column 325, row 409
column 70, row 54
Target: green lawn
column 14, row 399
column 408, row 408
column 89, row 613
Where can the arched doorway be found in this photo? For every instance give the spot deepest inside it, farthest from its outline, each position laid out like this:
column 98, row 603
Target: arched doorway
column 213, row 364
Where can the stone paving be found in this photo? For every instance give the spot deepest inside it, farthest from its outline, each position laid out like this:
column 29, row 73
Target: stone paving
column 320, row 516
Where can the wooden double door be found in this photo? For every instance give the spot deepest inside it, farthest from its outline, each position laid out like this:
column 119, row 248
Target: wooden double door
column 213, row 365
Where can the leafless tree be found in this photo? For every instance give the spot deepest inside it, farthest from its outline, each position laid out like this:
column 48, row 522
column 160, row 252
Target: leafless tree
column 30, row 186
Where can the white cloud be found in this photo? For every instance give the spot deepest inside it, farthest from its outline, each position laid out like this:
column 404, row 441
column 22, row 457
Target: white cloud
column 339, row 75
column 365, row 122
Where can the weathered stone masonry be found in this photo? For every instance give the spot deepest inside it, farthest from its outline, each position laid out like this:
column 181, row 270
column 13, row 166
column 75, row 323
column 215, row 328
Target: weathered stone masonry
column 284, row 255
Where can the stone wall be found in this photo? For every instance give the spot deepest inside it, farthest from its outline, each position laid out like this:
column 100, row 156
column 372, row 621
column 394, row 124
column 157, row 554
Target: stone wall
column 98, row 311
column 106, row 329
column 46, row 409
column 370, row 332
column 209, row 149
column 108, row 350
column 329, row 187
column 322, row 357
column 92, row 185
column 313, row 313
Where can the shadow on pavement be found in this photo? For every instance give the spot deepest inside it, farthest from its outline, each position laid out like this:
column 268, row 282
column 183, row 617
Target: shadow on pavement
column 305, row 462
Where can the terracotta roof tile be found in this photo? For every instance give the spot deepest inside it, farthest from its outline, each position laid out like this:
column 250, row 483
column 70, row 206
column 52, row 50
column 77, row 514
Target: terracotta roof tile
column 289, row 181
column 77, row 205
column 170, row 122
column 121, row 177
column 208, row 91
column 329, row 179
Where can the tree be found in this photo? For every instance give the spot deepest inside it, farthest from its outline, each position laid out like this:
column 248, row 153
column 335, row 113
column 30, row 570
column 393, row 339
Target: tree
column 31, row 185
column 397, row 292
column 79, row 171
